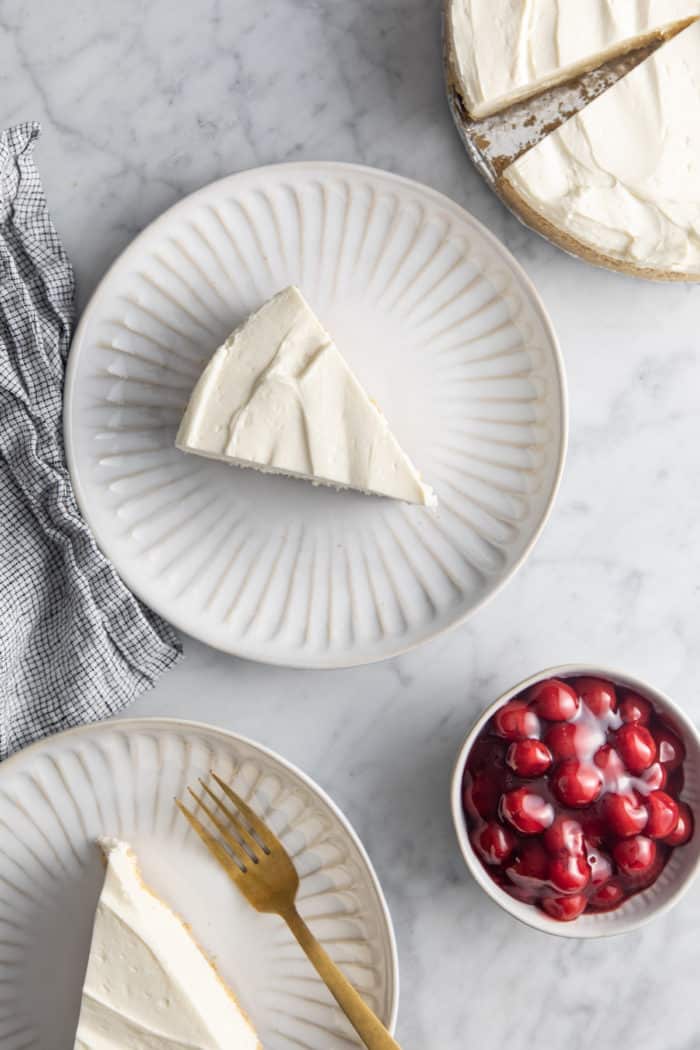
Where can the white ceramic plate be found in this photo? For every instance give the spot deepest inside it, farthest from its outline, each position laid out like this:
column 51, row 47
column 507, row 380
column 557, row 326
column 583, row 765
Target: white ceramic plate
column 120, row 779
column 441, row 326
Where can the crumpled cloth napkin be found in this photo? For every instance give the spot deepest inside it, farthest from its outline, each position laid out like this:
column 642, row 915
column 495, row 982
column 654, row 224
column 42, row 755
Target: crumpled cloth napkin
column 75, row 645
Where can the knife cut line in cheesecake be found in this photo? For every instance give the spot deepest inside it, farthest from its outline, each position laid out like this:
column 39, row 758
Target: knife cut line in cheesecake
column 500, row 122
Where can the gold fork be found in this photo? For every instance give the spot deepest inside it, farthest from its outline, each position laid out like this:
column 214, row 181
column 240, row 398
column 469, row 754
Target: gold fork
column 258, row 864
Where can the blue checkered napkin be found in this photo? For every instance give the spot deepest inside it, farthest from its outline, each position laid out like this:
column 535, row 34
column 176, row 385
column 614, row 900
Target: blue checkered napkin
column 75, row 645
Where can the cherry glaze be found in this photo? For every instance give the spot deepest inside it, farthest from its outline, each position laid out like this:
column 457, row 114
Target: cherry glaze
column 571, row 796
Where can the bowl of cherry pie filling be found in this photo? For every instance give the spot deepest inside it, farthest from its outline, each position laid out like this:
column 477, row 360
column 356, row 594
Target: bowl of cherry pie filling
column 575, row 799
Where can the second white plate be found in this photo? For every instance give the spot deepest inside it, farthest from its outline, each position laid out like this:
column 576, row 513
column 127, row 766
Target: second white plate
column 440, row 325
column 119, row 779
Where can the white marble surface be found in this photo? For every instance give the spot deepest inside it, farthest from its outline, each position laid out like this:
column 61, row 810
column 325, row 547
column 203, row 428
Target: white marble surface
column 143, row 102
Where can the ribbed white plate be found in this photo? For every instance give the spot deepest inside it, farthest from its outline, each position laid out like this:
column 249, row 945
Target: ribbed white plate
column 120, row 779
column 441, row 326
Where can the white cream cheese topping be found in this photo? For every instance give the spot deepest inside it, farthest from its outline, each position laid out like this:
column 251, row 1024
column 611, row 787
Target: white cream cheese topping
column 506, row 50
column 623, row 175
column 279, row 397
column 148, row 986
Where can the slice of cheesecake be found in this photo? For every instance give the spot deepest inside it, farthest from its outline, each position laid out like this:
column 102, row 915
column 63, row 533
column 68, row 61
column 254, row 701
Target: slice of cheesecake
column 503, row 51
column 619, row 182
column 278, row 396
column 148, row 985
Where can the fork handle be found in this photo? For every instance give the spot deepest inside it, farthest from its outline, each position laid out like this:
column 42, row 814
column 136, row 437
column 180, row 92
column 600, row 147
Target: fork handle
column 367, row 1025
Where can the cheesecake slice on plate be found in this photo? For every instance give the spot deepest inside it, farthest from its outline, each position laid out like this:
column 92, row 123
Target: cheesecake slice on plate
column 278, row 396
column 505, row 51
column 148, row 985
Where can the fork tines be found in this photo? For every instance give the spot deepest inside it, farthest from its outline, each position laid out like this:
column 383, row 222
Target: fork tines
column 245, row 835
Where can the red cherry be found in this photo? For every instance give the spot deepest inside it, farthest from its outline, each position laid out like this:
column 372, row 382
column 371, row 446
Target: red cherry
column 624, row 814
column 650, row 876
column 529, row 758
column 609, row 763
column 526, row 811
column 597, row 694
column 636, row 746
column 573, row 739
column 532, row 862
column 515, row 721
column 594, row 829
column 554, row 700
column 655, row 777
column 564, row 836
column 684, row 828
column 601, row 867
column 635, row 709
column 481, row 794
column 564, row 908
column 486, row 753
column 576, row 783
column 636, row 856
column 569, row 874
column 663, row 815
column 494, row 843
column 607, row 896
column 670, row 748
column 561, row 740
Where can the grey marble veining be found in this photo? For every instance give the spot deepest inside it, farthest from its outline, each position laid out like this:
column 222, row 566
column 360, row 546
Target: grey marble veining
column 144, row 102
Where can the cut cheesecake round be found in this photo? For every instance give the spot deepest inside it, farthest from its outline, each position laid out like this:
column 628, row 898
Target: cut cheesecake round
column 619, row 183
column 147, row 982
column 504, row 51
column 279, row 397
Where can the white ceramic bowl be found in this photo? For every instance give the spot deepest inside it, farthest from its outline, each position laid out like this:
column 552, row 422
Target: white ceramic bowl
column 678, row 873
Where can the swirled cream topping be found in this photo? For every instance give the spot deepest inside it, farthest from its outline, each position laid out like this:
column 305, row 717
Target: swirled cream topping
column 507, row 50
column 278, row 396
column 623, row 175
column 148, row 986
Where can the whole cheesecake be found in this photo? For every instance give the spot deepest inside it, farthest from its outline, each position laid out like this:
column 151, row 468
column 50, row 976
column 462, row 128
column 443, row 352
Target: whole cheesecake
column 619, row 183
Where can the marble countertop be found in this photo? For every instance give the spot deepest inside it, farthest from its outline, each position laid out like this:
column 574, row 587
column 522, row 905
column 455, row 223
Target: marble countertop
column 142, row 103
